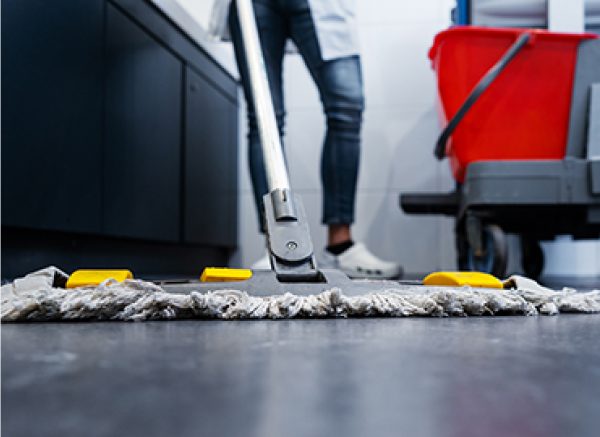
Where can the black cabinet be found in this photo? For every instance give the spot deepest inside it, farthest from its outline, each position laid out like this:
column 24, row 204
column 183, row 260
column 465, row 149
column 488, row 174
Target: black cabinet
column 119, row 140
column 52, row 76
column 210, row 213
column 142, row 150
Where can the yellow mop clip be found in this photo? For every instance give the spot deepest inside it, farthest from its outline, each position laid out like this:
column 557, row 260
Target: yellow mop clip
column 460, row 279
column 222, row 274
column 87, row 278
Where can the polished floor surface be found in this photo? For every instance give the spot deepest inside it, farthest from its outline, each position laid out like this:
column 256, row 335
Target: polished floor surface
column 517, row 376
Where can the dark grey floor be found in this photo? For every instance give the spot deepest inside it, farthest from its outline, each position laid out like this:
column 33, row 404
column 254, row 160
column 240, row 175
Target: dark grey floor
column 519, row 376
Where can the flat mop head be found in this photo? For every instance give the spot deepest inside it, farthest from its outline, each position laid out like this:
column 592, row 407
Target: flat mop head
column 36, row 297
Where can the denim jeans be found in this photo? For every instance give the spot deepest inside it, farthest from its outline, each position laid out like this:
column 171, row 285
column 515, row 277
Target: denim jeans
column 339, row 82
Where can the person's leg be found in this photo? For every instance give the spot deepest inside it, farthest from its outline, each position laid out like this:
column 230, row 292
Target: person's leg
column 273, row 35
column 343, row 102
column 338, row 234
column 340, row 87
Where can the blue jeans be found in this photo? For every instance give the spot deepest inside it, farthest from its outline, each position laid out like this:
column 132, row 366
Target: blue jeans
column 339, row 82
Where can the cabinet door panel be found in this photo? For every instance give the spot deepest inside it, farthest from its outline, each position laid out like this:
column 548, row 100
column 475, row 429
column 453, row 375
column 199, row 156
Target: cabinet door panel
column 52, row 85
column 143, row 134
column 211, row 164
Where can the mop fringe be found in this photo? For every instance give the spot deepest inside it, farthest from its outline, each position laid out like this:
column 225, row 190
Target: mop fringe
column 34, row 298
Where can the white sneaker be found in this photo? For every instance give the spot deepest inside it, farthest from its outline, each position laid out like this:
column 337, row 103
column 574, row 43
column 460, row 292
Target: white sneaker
column 263, row 263
column 359, row 262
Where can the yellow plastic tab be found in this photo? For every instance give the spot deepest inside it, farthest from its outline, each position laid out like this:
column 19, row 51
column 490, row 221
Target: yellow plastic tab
column 459, row 279
column 86, row 278
column 222, row 274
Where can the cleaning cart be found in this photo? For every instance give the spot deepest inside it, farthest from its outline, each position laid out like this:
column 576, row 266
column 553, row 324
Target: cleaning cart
column 521, row 109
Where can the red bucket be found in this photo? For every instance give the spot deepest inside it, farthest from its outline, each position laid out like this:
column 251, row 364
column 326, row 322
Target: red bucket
column 524, row 114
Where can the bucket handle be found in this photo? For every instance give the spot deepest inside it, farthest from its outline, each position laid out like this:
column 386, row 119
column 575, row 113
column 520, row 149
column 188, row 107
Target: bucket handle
column 482, row 85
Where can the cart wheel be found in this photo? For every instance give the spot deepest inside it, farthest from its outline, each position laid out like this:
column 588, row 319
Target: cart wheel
column 532, row 257
column 494, row 258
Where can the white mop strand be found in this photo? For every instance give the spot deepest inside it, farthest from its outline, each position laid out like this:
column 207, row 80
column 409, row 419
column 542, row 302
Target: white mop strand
column 34, row 299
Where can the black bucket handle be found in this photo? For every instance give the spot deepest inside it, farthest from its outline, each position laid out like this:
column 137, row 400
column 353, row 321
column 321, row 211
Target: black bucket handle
column 482, row 85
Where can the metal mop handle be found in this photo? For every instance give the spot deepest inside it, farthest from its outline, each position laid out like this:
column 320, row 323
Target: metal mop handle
column 277, row 176
column 287, row 231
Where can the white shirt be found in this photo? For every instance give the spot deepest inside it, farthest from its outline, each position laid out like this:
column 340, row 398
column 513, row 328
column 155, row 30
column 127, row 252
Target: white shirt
column 334, row 20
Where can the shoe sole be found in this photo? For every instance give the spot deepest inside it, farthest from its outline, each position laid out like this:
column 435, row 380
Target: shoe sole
column 364, row 275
